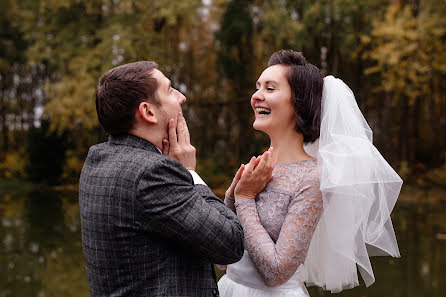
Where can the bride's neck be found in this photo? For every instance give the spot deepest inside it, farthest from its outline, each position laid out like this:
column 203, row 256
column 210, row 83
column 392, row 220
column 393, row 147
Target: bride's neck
column 288, row 147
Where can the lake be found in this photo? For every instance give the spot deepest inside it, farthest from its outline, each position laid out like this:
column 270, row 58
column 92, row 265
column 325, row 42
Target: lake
column 41, row 252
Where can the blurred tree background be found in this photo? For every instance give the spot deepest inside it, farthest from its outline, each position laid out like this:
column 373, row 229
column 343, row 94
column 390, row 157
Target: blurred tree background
column 392, row 53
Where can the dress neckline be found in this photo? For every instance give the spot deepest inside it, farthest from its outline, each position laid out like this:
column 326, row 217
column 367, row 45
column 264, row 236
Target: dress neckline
column 294, row 162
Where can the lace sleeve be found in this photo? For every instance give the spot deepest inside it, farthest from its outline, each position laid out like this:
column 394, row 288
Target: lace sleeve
column 277, row 262
column 229, row 202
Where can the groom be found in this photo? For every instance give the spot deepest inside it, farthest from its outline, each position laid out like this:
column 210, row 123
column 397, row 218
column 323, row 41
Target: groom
column 150, row 226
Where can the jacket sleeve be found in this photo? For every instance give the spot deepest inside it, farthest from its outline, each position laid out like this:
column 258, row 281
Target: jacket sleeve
column 178, row 210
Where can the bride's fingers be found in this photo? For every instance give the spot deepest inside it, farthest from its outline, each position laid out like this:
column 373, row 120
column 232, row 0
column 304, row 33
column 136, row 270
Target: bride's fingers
column 270, row 163
column 239, row 173
column 257, row 161
column 267, row 170
column 235, row 180
column 261, row 166
column 250, row 166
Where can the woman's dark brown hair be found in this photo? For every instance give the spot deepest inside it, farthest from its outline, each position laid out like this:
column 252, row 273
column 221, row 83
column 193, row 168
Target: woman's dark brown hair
column 306, row 84
column 119, row 93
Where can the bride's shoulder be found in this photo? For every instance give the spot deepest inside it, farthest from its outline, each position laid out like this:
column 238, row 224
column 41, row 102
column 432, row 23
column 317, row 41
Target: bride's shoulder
column 293, row 176
column 306, row 170
column 313, row 170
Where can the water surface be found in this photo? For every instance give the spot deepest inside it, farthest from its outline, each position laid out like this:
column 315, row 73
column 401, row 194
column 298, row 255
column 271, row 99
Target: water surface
column 41, row 252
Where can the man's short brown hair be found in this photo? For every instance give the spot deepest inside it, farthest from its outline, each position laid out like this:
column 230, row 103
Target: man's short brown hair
column 119, row 93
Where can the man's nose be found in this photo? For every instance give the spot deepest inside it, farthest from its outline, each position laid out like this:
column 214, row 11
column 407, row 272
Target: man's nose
column 181, row 98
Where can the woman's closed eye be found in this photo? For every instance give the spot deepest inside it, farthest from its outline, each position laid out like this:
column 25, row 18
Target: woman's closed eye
column 267, row 88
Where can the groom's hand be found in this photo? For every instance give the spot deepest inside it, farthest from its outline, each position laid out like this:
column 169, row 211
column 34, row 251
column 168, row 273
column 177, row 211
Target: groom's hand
column 178, row 145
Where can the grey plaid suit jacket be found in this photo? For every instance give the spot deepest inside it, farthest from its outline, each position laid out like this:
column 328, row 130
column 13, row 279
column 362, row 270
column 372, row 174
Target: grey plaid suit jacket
column 147, row 230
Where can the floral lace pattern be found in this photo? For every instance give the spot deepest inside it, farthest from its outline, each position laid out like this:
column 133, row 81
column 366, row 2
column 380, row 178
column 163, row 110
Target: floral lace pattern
column 279, row 223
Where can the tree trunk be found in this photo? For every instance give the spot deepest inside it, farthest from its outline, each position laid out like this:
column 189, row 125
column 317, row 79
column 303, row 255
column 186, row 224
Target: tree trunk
column 415, row 111
column 404, row 129
column 5, row 139
column 386, row 133
column 435, row 123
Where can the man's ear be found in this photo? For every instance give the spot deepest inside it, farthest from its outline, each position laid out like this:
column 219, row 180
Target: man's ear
column 147, row 112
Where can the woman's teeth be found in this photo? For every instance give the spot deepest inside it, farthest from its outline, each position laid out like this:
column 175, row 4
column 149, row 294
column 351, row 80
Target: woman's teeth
column 263, row 111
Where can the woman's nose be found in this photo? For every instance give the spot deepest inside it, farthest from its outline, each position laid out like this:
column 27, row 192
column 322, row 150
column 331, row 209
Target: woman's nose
column 257, row 96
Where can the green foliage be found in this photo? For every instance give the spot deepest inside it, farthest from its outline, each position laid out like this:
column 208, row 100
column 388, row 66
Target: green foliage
column 437, row 176
column 403, row 47
column 281, row 27
column 72, row 167
column 408, row 61
column 404, row 170
column 214, row 170
column 391, row 55
column 13, row 165
column 235, row 34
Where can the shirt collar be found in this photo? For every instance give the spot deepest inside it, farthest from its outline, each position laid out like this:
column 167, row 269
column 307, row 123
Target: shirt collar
column 134, row 141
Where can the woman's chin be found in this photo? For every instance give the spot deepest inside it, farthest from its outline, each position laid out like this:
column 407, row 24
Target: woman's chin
column 259, row 126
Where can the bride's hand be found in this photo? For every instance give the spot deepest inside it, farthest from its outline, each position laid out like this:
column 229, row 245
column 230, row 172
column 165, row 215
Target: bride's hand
column 238, row 175
column 255, row 176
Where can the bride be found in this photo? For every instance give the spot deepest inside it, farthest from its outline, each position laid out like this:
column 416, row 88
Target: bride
column 327, row 206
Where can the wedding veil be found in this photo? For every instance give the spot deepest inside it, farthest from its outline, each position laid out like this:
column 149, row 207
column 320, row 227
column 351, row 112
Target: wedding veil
column 359, row 190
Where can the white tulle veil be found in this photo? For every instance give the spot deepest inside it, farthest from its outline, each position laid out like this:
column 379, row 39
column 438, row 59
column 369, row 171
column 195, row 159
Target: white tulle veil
column 359, row 190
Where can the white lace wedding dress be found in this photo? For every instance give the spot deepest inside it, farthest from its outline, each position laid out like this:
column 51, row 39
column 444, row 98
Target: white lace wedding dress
column 278, row 227
column 350, row 190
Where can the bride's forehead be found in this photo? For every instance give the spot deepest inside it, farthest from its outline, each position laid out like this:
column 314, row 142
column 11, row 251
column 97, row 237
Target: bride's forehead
column 275, row 72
